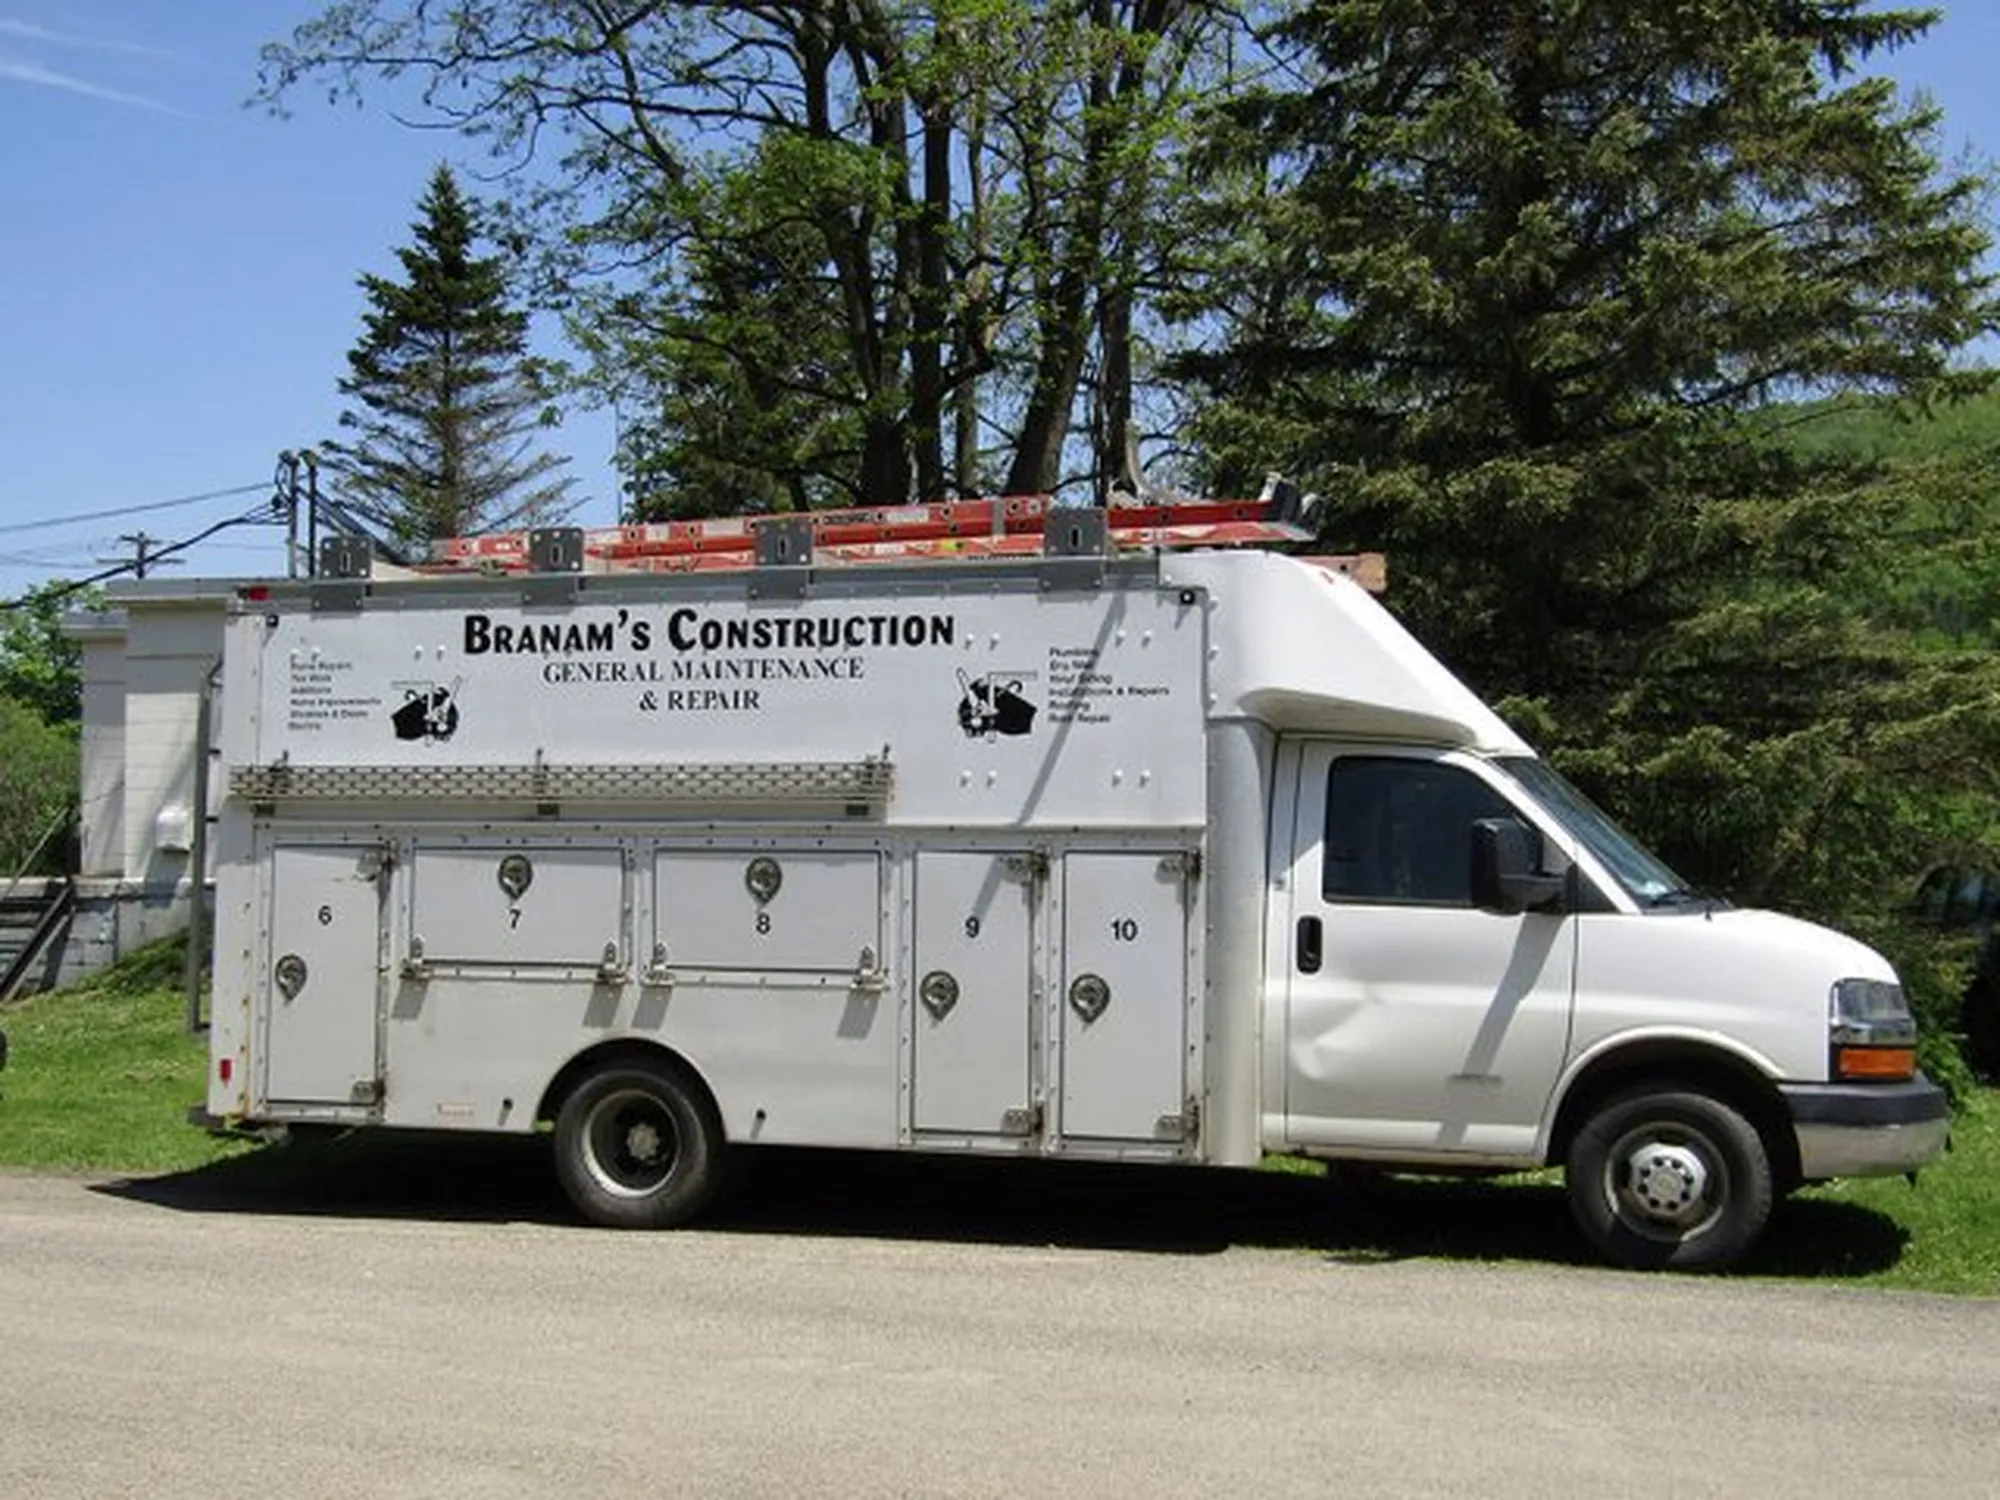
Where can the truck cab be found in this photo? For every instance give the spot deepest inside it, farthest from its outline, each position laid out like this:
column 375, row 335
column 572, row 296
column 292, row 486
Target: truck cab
column 1469, row 965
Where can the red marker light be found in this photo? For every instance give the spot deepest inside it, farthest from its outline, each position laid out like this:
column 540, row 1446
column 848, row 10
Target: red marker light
column 225, row 1066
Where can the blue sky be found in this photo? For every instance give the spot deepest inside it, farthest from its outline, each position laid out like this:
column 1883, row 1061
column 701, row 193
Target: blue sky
column 177, row 275
column 177, row 272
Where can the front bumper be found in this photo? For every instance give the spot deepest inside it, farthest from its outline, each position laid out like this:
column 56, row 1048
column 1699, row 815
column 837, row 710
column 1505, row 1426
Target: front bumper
column 1867, row 1129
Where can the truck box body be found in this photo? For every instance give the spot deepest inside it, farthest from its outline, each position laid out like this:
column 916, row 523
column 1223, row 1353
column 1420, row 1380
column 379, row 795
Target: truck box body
column 1157, row 858
column 995, row 783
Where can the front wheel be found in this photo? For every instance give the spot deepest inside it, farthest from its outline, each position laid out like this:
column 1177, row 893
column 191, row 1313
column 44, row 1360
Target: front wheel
column 1669, row 1179
column 638, row 1148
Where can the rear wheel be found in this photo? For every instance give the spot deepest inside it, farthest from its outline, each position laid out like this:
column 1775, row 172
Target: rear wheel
column 1670, row 1178
column 638, row 1147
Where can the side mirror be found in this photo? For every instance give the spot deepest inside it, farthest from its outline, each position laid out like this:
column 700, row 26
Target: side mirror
column 1505, row 879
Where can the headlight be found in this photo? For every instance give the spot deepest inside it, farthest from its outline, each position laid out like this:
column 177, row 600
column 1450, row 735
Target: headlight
column 1872, row 1032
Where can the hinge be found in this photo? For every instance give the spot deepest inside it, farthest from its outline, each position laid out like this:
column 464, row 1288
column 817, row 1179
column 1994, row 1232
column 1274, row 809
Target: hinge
column 657, row 973
column 1185, row 863
column 870, row 978
column 415, row 966
column 610, row 968
column 1022, row 1122
column 1185, row 1126
column 1033, row 865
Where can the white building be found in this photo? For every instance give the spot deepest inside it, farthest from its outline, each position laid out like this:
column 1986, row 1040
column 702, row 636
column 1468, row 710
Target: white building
column 147, row 663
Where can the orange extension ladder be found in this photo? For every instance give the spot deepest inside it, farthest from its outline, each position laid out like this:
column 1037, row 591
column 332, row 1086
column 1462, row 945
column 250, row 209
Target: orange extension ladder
column 1012, row 526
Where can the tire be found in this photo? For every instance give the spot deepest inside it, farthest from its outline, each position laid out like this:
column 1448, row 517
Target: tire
column 638, row 1147
column 1669, row 1179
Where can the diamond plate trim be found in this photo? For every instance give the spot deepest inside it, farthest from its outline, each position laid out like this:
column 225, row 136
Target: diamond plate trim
column 867, row 782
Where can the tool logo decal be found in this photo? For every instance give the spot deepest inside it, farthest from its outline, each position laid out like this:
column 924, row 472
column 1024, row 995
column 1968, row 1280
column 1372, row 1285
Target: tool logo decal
column 992, row 705
column 428, row 712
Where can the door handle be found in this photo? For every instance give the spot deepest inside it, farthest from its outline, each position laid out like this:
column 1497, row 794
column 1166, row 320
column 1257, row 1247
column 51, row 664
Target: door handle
column 1311, row 941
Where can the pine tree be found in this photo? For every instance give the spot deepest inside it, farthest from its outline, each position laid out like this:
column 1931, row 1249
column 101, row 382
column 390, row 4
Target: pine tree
column 447, row 395
column 1531, row 290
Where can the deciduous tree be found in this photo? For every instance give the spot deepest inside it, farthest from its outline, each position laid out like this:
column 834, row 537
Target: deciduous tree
column 40, row 667
column 866, row 252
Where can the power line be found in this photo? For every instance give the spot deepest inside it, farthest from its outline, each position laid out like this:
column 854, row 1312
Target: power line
column 133, row 510
column 45, row 561
column 256, row 515
column 294, row 490
column 145, row 554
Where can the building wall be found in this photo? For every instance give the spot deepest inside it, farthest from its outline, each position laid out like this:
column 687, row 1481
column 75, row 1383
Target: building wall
column 109, row 920
column 144, row 667
column 169, row 651
column 101, row 801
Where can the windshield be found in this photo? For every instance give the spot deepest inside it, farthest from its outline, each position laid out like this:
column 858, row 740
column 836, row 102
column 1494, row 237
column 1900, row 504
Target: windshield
column 1645, row 877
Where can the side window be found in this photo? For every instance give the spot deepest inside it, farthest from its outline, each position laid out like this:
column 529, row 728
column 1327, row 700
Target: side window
column 1401, row 831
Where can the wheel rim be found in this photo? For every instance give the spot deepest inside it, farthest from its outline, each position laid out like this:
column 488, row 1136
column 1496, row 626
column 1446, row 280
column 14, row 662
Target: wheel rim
column 631, row 1143
column 1666, row 1181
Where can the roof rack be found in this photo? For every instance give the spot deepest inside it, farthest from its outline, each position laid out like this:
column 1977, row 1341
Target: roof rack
column 1007, row 526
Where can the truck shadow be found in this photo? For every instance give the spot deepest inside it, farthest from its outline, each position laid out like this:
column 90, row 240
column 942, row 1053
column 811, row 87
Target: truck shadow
column 1352, row 1219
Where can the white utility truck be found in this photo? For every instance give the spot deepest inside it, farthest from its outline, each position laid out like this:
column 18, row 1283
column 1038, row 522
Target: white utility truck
column 804, row 832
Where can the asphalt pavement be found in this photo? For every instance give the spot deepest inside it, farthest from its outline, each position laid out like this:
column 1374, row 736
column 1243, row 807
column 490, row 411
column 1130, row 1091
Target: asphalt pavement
column 165, row 1343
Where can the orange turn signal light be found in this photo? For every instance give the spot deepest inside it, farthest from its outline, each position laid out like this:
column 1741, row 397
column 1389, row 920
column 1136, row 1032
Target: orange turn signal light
column 1874, row 1062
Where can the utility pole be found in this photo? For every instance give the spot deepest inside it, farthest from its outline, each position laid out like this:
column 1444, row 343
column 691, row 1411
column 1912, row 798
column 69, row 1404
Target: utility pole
column 298, row 492
column 144, row 554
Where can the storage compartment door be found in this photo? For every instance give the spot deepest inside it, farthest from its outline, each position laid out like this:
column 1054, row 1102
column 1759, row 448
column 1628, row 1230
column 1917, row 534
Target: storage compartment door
column 518, row 908
column 322, row 976
column 775, row 910
column 1124, row 1004
column 974, row 972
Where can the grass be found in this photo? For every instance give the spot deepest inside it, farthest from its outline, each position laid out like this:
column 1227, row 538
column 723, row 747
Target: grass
column 1950, row 1218
column 102, row 1075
